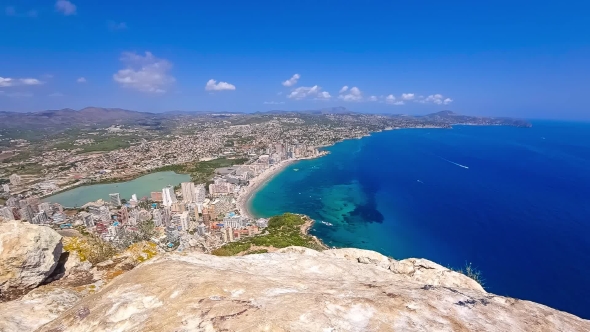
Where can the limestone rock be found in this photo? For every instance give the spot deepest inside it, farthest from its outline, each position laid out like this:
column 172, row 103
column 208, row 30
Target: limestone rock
column 430, row 273
column 297, row 290
column 28, row 255
column 75, row 264
column 361, row 256
column 38, row 307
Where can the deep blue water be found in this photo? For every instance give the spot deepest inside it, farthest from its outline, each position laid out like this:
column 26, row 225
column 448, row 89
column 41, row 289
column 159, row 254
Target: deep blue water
column 520, row 212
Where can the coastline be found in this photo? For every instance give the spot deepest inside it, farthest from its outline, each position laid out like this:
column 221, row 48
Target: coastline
column 254, row 184
column 248, row 192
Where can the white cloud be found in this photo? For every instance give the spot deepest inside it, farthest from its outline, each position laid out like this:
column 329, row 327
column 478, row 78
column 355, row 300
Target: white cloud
column 10, row 11
column 81, row 80
column 354, row 94
column 113, row 26
column 344, row 89
column 30, row 81
column 305, row 91
column 56, row 94
column 212, row 85
column 391, row 100
column 373, row 98
column 408, row 96
column 7, row 81
column 437, row 99
column 273, row 102
column 323, row 95
column 144, row 73
column 65, row 7
column 292, row 81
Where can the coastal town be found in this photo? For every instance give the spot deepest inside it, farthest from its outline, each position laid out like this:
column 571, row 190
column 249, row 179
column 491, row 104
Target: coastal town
column 227, row 156
column 195, row 216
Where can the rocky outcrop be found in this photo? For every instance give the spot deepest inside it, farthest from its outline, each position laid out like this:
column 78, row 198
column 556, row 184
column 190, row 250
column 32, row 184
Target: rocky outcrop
column 38, row 307
column 28, row 255
column 299, row 289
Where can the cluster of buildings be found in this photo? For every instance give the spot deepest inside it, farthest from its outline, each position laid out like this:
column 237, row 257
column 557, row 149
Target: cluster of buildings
column 184, row 216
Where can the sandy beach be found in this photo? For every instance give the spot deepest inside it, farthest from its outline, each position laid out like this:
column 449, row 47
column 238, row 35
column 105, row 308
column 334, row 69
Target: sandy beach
column 246, row 193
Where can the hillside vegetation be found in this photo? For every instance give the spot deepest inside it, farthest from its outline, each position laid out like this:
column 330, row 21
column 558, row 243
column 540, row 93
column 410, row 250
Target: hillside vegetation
column 283, row 231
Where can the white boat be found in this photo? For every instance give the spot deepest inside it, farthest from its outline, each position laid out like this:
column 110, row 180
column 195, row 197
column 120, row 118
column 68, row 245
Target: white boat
column 326, row 223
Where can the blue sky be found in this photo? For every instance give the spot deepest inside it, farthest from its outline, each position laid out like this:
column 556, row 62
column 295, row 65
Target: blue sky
column 518, row 58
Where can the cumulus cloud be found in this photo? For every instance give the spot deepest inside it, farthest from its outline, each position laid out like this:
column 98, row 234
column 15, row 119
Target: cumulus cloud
column 408, row 96
column 344, row 89
column 81, row 80
column 7, row 81
column 65, row 7
column 292, row 81
column 113, row 26
column 354, row 94
column 323, row 95
column 212, row 85
column 273, row 102
column 305, row 91
column 373, row 98
column 391, row 100
column 437, row 99
column 144, row 73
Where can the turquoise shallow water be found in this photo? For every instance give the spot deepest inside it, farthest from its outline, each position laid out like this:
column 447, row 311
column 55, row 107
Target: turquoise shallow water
column 515, row 202
column 141, row 186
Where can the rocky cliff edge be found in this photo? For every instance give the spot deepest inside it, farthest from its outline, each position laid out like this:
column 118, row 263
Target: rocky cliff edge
column 298, row 289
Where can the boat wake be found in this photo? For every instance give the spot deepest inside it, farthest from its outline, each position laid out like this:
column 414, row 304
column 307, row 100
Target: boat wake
column 454, row 163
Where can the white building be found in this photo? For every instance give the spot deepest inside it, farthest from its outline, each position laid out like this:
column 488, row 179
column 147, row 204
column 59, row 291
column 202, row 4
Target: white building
column 184, row 221
column 40, row 218
column 45, row 207
column 168, row 196
column 115, row 199
column 200, row 193
column 157, row 217
column 6, row 188
column 188, row 192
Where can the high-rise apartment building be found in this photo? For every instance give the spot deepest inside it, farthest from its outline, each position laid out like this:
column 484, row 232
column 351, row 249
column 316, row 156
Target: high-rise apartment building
column 184, row 221
column 157, row 217
column 200, row 193
column 188, row 192
column 27, row 213
column 168, row 196
column 115, row 199
column 45, row 207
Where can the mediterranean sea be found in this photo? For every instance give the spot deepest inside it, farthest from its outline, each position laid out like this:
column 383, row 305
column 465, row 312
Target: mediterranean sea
column 514, row 202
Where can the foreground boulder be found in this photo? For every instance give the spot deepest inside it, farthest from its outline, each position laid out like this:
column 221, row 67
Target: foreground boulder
column 300, row 289
column 38, row 307
column 28, row 255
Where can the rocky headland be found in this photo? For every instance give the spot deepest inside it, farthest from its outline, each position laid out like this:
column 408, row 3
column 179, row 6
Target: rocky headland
column 291, row 289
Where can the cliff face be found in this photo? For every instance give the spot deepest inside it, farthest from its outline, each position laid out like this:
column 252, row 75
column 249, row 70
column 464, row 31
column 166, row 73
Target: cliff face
column 300, row 289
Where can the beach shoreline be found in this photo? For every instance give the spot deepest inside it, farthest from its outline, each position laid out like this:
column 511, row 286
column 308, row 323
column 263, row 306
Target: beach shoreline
column 248, row 192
